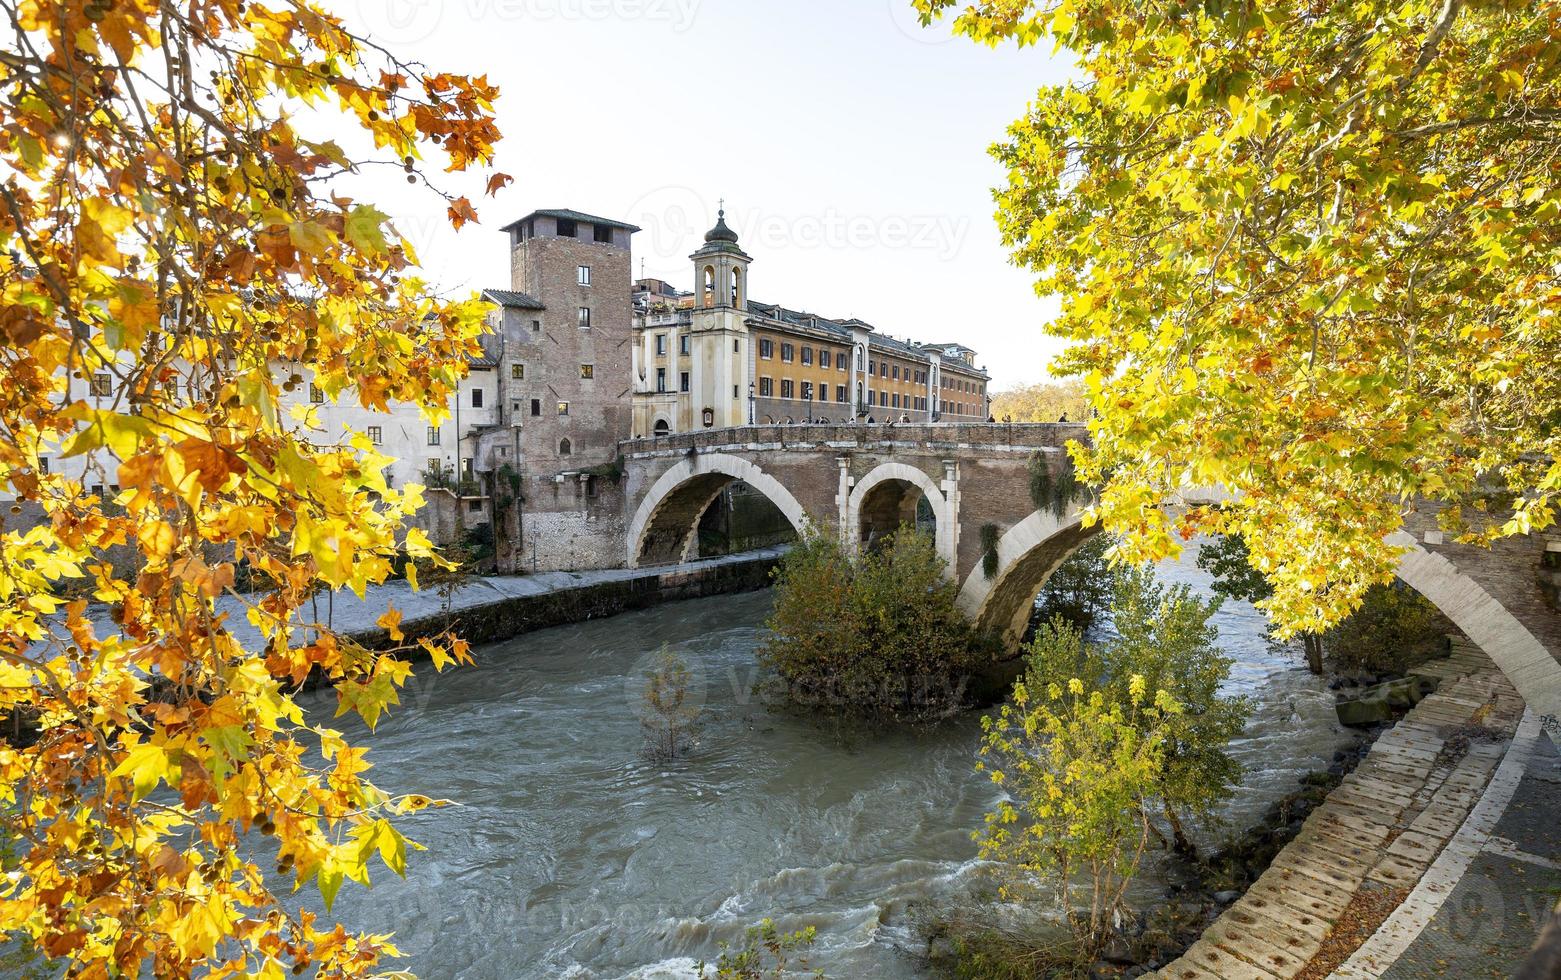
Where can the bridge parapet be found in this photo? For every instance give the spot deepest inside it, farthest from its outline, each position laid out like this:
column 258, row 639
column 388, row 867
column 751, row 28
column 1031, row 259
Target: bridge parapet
column 939, row 437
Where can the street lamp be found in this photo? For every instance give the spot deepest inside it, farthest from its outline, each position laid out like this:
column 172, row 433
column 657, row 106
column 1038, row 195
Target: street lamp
column 752, row 410
column 810, row 406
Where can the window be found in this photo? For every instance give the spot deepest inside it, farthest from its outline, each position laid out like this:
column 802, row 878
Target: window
column 807, row 356
column 840, row 361
column 603, row 235
column 662, row 428
column 466, row 468
column 316, row 395
column 787, row 388
column 683, row 381
column 587, row 372
column 823, row 359
column 788, row 353
column 766, row 387
column 434, row 465
column 840, row 394
column 661, row 379
column 895, row 372
column 536, row 326
column 101, row 384
column 585, row 318
column 476, row 398
column 583, row 275
column 564, row 448
column 870, row 364
column 567, row 228
column 43, row 464
column 517, row 372
column 766, row 348
column 895, row 399
column 434, row 435
column 661, row 344
column 376, row 434
column 563, row 408
column 683, row 345
column 883, row 369
column 536, row 407
column 474, row 505
column 807, row 391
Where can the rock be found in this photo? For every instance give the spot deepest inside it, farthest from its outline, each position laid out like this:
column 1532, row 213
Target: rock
column 1227, row 897
column 1364, row 711
column 1119, row 953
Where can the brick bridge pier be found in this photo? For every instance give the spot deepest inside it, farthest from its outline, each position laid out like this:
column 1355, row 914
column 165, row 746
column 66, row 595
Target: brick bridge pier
column 860, row 481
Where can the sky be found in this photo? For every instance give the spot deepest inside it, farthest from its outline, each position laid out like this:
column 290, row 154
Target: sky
column 849, row 145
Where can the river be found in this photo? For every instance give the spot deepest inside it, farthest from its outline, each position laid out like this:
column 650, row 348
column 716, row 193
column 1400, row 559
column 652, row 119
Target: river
column 571, row 855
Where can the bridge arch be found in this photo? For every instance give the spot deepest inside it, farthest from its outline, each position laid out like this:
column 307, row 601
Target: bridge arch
column 1031, row 550
column 883, row 500
column 663, row 527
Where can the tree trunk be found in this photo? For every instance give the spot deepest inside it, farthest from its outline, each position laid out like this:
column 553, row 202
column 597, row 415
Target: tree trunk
column 1184, row 844
column 1314, row 652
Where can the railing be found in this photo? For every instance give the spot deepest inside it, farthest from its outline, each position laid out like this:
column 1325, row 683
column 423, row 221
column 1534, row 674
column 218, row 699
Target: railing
column 973, row 434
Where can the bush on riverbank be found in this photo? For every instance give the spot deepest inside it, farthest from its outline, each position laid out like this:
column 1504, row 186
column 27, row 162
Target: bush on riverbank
column 875, row 635
column 1394, row 630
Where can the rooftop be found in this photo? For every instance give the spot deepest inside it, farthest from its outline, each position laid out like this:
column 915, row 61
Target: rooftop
column 514, row 300
column 571, row 215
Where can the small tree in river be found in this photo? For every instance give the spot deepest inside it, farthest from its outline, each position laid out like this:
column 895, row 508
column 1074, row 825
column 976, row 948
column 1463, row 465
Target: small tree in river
column 667, row 718
column 875, row 635
column 1164, row 636
column 1081, row 765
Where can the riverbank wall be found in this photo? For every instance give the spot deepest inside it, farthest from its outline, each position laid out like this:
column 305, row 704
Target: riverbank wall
column 488, row 612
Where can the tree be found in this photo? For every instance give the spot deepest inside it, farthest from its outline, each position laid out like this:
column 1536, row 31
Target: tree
column 1307, row 253
column 666, row 716
column 176, row 226
column 1044, row 402
column 875, row 635
column 1080, row 589
column 1081, row 767
column 1235, row 577
column 1162, row 635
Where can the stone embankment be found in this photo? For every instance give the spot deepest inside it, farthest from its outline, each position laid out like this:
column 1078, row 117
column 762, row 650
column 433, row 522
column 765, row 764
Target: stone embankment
column 1359, row 855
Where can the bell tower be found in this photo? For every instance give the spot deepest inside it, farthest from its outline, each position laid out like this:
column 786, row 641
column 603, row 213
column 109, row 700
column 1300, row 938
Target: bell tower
column 718, row 330
column 721, row 270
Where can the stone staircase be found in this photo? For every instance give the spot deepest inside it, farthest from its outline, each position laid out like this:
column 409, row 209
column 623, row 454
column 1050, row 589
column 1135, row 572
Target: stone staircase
column 1358, row 854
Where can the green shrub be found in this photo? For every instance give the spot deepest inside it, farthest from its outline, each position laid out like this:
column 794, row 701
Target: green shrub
column 1395, row 629
column 876, row 635
column 1079, row 590
column 765, row 955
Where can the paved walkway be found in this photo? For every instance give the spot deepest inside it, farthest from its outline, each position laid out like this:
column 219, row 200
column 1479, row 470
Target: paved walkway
column 347, row 614
column 1438, row 856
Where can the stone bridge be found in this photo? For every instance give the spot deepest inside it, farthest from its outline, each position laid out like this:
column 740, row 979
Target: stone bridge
column 861, row 481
